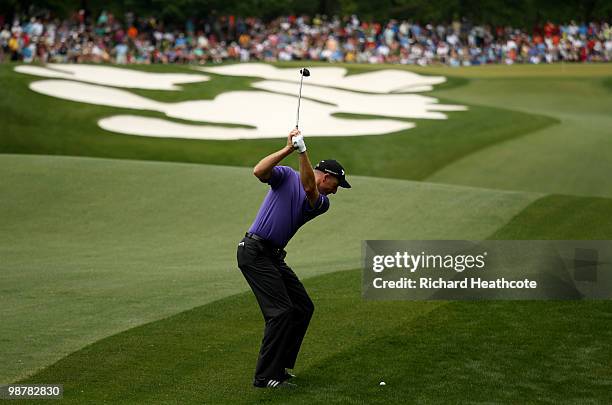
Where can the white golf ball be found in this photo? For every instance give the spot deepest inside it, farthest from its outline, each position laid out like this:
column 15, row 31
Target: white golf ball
column 382, row 383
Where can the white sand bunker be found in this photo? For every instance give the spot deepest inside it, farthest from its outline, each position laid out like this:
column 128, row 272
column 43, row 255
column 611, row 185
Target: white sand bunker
column 270, row 115
column 388, row 105
column 112, row 76
column 380, row 81
column 268, row 112
column 155, row 127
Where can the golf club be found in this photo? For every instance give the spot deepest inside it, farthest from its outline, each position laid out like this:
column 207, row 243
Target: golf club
column 303, row 72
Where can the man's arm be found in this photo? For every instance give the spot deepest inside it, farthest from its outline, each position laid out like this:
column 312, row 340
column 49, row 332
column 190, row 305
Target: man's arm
column 263, row 169
column 308, row 179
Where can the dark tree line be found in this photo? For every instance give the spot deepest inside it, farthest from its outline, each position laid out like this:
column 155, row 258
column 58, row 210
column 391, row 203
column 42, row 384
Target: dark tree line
column 518, row 13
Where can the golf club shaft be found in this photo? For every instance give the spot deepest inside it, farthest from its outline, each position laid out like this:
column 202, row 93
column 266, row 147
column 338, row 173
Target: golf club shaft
column 297, row 120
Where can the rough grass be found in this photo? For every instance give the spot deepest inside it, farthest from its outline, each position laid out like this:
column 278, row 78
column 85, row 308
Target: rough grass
column 425, row 352
column 561, row 217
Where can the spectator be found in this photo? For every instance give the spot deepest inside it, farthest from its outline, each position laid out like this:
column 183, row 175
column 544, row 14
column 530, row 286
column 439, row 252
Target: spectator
column 104, row 39
column 121, row 51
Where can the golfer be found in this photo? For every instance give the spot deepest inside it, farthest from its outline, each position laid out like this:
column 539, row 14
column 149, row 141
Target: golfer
column 293, row 199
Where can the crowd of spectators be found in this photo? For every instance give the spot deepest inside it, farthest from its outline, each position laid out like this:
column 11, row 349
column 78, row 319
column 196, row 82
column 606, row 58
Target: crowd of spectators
column 106, row 38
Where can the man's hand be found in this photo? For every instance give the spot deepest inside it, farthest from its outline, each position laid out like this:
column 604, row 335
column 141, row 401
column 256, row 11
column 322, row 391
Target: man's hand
column 299, row 144
column 296, row 140
column 294, row 132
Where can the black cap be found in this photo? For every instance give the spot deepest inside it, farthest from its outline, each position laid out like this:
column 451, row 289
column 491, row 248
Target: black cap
column 334, row 168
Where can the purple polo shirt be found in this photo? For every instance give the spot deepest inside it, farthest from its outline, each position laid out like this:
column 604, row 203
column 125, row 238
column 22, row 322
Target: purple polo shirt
column 285, row 209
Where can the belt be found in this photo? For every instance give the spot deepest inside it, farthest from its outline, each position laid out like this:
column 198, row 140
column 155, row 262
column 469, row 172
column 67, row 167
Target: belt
column 251, row 235
column 274, row 250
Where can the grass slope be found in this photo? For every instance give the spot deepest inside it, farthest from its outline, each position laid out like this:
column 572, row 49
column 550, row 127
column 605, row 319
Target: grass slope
column 561, row 217
column 569, row 158
column 93, row 246
column 530, row 352
column 37, row 124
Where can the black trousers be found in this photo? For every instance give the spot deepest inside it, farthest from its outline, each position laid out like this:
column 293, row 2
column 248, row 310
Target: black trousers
column 285, row 305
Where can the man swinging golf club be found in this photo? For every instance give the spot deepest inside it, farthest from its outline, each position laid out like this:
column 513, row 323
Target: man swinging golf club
column 293, row 199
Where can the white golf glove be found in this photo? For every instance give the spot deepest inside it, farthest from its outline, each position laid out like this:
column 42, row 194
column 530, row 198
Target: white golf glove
column 298, row 143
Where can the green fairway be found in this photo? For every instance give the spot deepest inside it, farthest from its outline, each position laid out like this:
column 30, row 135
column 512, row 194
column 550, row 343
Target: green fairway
column 96, row 246
column 571, row 157
column 425, row 352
